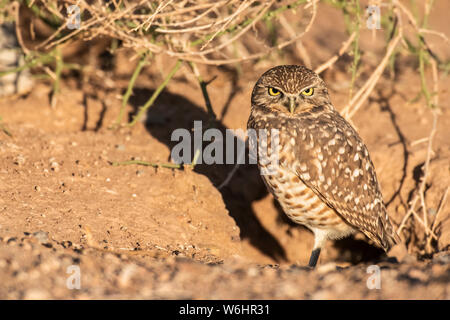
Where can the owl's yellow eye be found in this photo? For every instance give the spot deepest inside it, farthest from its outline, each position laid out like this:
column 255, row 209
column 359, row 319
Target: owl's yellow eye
column 308, row 92
column 274, row 92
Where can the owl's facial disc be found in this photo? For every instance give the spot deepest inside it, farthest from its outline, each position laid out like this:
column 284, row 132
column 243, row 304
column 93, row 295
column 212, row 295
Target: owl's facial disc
column 291, row 102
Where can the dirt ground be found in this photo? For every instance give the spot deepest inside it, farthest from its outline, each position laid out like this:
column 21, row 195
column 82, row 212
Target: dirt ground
column 160, row 233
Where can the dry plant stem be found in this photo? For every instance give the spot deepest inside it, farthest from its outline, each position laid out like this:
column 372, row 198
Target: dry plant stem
column 188, row 56
column 58, row 69
column 427, row 230
column 243, row 6
column 436, row 33
column 203, row 86
column 408, row 214
column 182, row 11
column 421, row 191
column 333, row 59
column 62, row 27
column 356, row 51
column 95, row 20
column 436, row 218
column 434, row 69
column 142, row 62
column 432, row 101
column 426, row 169
column 243, row 24
column 148, row 164
column 368, row 87
column 190, row 21
column 204, row 60
column 150, row 19
column 419, row 141
column 214, row 23
column 155, row 95
column 85, row 26
column 441, row 205
column 16, row 7
column 41, row 59
column 212, row 115
column 300, row 48
column 232, row 39
column 416, row 27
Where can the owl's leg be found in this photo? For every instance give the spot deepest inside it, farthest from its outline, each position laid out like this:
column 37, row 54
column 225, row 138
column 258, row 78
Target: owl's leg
column 314, row 257
column 320, row 237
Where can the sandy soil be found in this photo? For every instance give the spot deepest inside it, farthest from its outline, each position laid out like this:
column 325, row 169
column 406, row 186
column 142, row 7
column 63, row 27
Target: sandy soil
column 143, row 232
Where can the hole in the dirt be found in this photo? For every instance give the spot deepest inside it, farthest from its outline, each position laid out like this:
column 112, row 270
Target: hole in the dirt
column 106, row 61
column 356, row 251
column 417, row 176
column 418, row 172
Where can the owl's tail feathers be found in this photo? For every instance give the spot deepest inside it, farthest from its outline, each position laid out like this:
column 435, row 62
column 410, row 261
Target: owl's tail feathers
column 387, row 236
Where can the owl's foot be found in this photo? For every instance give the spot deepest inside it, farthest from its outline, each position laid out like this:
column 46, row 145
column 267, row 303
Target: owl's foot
column 314, row 257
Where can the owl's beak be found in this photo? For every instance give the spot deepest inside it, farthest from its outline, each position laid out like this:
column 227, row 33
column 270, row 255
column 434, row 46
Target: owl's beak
column 292, row 105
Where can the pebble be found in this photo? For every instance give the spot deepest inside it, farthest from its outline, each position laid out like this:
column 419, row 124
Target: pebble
column 120, row 147
column 127, row 273
column 418, row 274
column 19, row 160
column 139, row 173
column 442, row 258
column 54, row 166
column 41, row 236
column 326, row 268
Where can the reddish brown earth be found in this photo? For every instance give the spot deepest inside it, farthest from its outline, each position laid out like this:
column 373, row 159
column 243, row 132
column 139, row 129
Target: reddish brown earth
column 141, row 232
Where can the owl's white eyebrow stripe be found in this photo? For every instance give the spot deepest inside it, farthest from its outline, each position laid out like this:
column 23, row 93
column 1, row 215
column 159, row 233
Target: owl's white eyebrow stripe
column 308, row 87
column 274, row 87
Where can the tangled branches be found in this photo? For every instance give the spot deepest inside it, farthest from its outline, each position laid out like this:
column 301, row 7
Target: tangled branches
column 196, row 31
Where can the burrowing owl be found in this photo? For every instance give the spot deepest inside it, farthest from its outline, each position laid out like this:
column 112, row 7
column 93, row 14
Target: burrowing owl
column 325, row 179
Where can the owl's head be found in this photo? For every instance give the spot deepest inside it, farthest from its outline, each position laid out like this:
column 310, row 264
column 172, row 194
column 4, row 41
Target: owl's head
column 290, row 89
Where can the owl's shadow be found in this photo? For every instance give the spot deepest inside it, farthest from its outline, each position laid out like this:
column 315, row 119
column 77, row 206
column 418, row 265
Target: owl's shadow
column 347, row 250
column 171, row 112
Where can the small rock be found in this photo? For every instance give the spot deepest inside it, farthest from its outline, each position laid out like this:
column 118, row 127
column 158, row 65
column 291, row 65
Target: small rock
column 120, row 147
column 442, row 257
column 54, row 166
column 10, row 240
column 252, row 272
column 418, row 274
column 326, row 268
column 139, row 173
column 41, row 236
column 19, row 160
column 127, row 273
